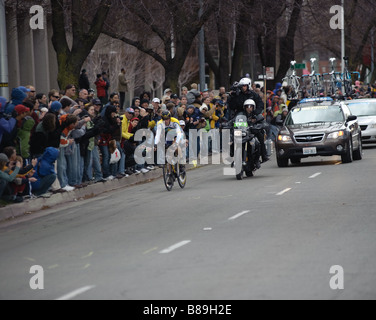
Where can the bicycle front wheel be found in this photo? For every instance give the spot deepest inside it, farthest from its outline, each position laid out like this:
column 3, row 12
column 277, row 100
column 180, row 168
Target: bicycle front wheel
column 168, row 177
column 182, row 177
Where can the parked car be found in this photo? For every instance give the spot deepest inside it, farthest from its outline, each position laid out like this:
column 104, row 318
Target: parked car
column 325, row 128
column 365, row 110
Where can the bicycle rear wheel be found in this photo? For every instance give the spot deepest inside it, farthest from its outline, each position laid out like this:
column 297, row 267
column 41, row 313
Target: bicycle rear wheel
column 348, row 88
column 168, row 177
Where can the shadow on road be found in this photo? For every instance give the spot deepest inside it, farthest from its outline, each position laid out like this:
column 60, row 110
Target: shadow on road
column 316, row 163
column 369, row 146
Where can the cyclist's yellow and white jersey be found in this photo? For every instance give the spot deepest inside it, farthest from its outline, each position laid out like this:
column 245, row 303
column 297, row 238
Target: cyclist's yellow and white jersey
column 163, row 129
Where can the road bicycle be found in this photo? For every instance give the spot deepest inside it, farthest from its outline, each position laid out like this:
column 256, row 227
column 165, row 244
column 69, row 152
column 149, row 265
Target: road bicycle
column 335, row 79
column 315, row 80
column 347, row 78
column 173, row 172
column 294, row 82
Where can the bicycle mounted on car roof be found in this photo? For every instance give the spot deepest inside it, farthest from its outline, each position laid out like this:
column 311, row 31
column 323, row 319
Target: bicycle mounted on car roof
column 347, row 78
column 315, row 80
column 293, row 81
column 334, row 81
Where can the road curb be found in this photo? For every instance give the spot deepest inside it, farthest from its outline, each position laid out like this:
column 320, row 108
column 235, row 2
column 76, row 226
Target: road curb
column 34, row 205
column 14, row 211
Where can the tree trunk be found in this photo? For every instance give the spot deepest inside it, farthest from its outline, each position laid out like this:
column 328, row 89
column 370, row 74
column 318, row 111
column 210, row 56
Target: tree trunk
column 70, row 61
column 349, row 17
column 172, row 77
column 67, row 72
column 239, row 49
column 224, row 64
column 287, row 46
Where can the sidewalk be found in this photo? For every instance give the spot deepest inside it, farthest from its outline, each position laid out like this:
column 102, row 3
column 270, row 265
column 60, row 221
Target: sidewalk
column 35, row 205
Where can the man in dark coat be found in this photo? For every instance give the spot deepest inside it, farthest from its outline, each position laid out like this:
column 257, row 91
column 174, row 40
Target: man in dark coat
column 84, row 81
column 241, row 93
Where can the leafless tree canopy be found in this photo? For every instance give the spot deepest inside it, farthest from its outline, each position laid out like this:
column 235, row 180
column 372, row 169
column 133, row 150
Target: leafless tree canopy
column 240, row 35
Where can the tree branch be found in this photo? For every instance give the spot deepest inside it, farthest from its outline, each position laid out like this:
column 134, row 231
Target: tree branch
column 59, row 40
column 137, row 45
column 149, row 21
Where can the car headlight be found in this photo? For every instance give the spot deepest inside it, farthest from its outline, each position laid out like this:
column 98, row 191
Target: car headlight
column 373, row 126
column 284, row 138
column 336, row 135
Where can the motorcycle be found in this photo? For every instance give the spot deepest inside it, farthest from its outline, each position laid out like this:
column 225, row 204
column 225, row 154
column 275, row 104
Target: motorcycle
column 247, row 146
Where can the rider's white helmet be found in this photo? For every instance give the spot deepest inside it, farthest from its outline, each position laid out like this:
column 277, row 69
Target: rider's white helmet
column 245, row 82
column 249, row 102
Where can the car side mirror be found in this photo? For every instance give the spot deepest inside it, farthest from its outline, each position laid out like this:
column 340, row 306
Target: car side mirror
column 352, row 118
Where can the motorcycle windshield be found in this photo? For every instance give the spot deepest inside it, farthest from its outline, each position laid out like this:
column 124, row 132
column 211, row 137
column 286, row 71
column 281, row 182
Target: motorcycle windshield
column 241, row 122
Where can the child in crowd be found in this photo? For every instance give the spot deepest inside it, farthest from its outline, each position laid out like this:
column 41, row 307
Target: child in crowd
column 7, row 177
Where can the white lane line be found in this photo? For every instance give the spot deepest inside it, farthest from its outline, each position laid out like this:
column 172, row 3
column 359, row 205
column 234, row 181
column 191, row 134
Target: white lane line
column 76, row 293
column 284, row 191
column 175, row 246
column 239, row 215
column 315, row 175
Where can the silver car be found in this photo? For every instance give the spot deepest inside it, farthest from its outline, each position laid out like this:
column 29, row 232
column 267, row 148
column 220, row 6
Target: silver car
column 365, row 110
column 319, row 129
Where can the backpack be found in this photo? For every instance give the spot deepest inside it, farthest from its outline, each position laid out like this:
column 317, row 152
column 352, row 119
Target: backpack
column 9, row 139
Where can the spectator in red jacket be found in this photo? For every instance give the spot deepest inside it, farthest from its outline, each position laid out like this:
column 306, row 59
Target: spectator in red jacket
column 101, row 88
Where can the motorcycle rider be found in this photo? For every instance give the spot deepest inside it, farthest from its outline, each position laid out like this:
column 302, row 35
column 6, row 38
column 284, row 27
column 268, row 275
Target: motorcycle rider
column 242, row 92
column 253, row 118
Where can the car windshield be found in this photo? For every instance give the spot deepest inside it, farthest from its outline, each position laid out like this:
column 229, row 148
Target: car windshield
column 363, row 109
column 315, row 114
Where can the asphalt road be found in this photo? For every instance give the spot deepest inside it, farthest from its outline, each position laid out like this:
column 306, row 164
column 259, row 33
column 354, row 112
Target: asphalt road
column 273, row 236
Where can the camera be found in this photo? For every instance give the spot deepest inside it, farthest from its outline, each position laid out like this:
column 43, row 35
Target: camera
column 235, row 88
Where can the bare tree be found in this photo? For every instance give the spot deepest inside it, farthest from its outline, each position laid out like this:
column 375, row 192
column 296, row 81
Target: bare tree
column 190, row 69
column 71, row 58
column 168, row 27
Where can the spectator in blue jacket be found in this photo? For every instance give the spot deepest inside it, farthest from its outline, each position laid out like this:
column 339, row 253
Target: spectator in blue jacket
column 45, row 172
column 17, row 97
column 7, row 124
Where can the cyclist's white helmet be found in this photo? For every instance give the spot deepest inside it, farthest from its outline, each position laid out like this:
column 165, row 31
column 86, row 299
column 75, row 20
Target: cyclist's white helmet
column 245, row 82
column 249, row 102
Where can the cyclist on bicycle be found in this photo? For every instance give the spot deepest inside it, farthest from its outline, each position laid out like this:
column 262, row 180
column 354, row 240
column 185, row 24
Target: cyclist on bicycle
column 164, row 126
column 167, row 124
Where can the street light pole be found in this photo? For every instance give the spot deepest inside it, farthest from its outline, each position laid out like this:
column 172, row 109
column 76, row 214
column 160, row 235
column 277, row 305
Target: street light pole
column 372, row 53
column 343, row 46
column 4, row 76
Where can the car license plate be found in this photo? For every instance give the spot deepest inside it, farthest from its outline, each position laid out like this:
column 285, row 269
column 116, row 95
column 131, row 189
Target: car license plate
column 309, row 151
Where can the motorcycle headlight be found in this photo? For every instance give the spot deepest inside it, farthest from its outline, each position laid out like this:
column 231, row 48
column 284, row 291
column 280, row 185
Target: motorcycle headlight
column 284, row 138
column 336, row 135
column 238, row 133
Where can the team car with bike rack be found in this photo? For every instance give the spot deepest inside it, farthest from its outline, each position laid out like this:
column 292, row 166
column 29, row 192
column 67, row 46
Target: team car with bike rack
column 319, row 128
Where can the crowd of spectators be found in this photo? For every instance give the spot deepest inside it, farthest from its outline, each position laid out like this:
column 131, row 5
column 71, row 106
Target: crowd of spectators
column 60, row 141
column 63, row 140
